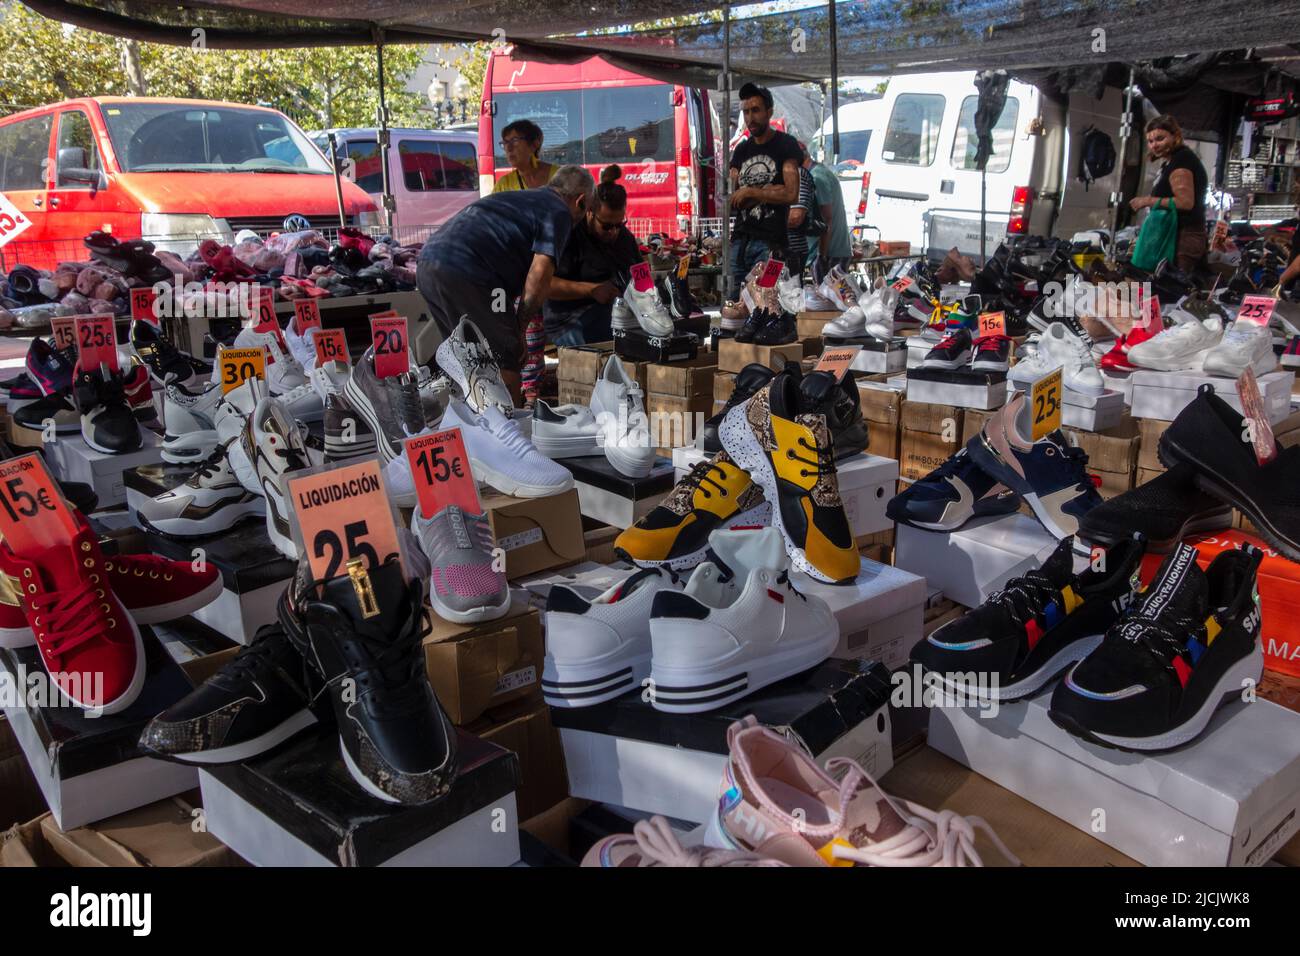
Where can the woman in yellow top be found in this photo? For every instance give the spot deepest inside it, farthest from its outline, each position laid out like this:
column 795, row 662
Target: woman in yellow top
column 522, row 141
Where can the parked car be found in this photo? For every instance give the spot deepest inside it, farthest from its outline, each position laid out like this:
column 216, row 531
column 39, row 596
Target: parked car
column 171, row 171
column 858, row 121
column 433, row 174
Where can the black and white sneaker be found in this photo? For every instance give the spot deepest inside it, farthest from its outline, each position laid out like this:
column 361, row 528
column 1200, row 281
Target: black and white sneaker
column 1190, row 643
column 467, row 359
column 347, row 435
column 165, row 361
column 257, row 701
column 992, row 354
column 361, row 631
column 31, row 420
column 952, row 352
column 107, row 422
column 1035, row 627
column 274, row 448
column 210, row 501
column 748, row 381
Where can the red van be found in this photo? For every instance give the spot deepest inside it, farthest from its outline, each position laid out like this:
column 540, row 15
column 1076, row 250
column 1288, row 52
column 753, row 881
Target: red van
column 595, row 114
column 171, row 171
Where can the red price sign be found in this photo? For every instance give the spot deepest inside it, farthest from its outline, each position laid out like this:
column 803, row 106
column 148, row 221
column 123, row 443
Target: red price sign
column 902, row 284
column 344, row 516
column 642, row 278
column 65, row 336
column 96, row 342
column 390, row 314
column 1258, row 430
column 306, row 315
column 389, row 338
column 142, row 305
column 441, row 469
column 1257, row 309
column 992, row 323
column 1154, row 320
column 837, row 361
column 33, row 515
column 265, row 314
column 771, row 272
column 331, row 346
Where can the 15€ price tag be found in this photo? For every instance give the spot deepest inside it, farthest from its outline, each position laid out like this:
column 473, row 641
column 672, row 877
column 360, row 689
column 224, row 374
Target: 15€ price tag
column 1257, row 309
column 992, row 323
column 142, row 304
column 65, row 334
column 306, row 315
column 239, row 365
column 838, row 361
column 344, row 515
column 96, row 341
column 771, row 272
column 388, row 334
column 331, row 346
column 1046, row 397
column 642, row 278
column 441, row 469
column 33, row 514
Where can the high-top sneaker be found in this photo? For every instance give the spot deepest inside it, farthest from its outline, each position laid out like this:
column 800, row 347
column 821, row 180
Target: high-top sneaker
column 746, row 382
column 361, row 632
column 107, row 422
column 165, row 362
column 50, row 368
column 347, row 435
column 138, row 388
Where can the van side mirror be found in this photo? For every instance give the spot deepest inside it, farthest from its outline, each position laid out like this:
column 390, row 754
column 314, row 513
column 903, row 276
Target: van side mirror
column 72, row 168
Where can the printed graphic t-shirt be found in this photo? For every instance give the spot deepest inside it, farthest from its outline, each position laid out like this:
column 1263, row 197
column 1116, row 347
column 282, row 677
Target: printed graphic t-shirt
column 759, row 164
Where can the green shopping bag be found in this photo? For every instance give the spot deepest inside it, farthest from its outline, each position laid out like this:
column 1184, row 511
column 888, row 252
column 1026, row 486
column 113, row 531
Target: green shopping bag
column 1158, row 238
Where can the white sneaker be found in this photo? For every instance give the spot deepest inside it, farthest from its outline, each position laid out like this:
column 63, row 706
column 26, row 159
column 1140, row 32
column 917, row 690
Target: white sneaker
column 283, row 371
column 850, row 323
column 814, row 301
column 1180, row 347
column 739, row 626
column 565, row 431
column 619, row 409
column 302, row 347
column 1079, row 372
column 502, row 457
column 599, row 649
column 651, row 313
column 329, row 379
column 839, row 289
column 212, row 500
column 1030, row 366
column 190, row 430
column 878, row 313
column 621, row 316
column 467, row 359
column 274, row 447
column 789, row 291
column 1245, row 345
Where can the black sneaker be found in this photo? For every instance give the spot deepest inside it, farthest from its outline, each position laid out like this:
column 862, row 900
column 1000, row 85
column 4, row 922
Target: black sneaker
column 780, row 329
column 952, row 494
column 1165, row 510
column 844, row 412
column 755, row 321
column 748, row 380
column 1189, row 644
column 254, row 703
column 361, row 631
column 164, row 360
column 952, row 352
column 1209, row 434
column 107, row 422
column 347, row 435
column 1035, row 627
column 992, row 354
column 29, row 421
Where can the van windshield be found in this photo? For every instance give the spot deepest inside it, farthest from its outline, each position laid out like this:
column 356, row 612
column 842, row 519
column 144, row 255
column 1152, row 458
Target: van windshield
column 627, row 124
column 177, row 137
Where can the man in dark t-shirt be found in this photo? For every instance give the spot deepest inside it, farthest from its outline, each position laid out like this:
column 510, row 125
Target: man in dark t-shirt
column 765, row 180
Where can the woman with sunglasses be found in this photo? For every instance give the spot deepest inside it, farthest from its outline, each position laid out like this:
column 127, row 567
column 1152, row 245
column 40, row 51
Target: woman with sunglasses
column 522, row 141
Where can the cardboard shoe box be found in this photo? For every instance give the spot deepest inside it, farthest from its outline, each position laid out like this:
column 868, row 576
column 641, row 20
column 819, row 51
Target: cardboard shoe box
column 930, row 434
column 676, row 420
column 527, row 731
column 1149, row 432
column 733, row 355
column 494, row 664
column 881, row 408
column 582, row 364
column 166, row 833
column 536, row 533
column 1163, row 395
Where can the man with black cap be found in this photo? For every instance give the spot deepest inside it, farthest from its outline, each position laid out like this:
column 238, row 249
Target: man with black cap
column 765, row 181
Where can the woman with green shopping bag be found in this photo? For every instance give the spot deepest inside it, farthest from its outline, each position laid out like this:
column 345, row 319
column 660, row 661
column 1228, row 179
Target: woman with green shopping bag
column 1174, row 230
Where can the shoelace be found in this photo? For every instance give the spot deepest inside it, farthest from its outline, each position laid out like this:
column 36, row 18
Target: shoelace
column 990, row 343
column 409, row 407
column 208, row 467
column 391, row 670
column 657, row 841
column 509, row 434
column 73, row 617
column 1165, row 637
column 823, row 465
column 1024, row 597
column 252, row 660
column 700, row 474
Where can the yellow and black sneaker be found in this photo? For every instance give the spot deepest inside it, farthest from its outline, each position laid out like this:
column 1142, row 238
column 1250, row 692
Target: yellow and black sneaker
column 714, row 495
column 781, row 438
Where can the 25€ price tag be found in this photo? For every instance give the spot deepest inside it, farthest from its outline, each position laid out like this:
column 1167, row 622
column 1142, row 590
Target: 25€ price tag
column 96, row 341
column 992, row 323
column 642, row 278
column 33, row 514
column 239, row 365
column 65, row 335
column 306, row 314
column 389, row 338
column 771, row 272
column 838, row 361
column 1258, row 431
column 1045, row 398
column 142, row 304
column 441, row 469
column 1257, row 309
column 902, row 284
column 331, row 346
column 344, row 515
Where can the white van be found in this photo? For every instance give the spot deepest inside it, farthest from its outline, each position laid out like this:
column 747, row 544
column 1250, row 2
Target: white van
column 858, row 121
column 923, row 185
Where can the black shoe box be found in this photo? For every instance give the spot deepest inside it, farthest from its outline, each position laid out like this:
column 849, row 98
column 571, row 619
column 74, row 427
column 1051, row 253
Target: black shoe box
column 636, row 345
column 698, row 326
column 956, row 376
column 611, row 497
column 299, row 805
column 90, row 766
column 868, row 343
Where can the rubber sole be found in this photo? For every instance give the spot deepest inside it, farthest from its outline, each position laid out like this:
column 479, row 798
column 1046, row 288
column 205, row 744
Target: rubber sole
column 361, row 405
column 566, row 446
column 1030, row 684
column 249, row 748
column 578, row 685
column 189, row 528
column 759, row 516
column 1205, row 521
column 189, row 446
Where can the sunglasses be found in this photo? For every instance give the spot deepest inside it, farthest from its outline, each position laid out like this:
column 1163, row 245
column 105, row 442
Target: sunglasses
column 609, row 226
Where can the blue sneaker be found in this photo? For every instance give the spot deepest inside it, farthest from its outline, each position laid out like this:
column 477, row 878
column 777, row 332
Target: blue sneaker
column 1050, row 474
column 951, row 495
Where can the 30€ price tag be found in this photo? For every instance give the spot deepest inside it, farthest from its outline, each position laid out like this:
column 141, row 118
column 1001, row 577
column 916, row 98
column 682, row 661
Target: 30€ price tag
column 902, row 284
column 1257, row 309
column 771, row 272
column 142, row 304
column 65, row 335
column 643, row 279
column 683, row 266
column 992, row 323
column 1258, row 431
column 1046, row 397
column 389, row 338
column 96, row 341
column 331, row 346
column 33, row 514
column 838, row 361
column 306, row 315
column 441, row 469
column 344, row 515
column 239, row 365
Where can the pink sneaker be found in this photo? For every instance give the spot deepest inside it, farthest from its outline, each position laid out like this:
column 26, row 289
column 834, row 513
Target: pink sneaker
column 778, row 803
column 653, row 843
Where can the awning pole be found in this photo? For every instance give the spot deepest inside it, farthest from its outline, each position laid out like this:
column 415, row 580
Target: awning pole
column 1125, row 130
column 390, row 204
column 338, row 178
column 725, row 172
column 835, row 81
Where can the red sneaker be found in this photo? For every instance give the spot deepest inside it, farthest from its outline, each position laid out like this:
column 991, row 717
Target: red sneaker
column 139, row 392
column 1116, row 360
column 87, row 641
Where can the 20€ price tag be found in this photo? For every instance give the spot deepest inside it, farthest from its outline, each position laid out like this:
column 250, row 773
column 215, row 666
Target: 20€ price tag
column 96, row 341
column 838, row 361
column 389, row 338
column 902, row 284
column 441, row 469
column 642, row 278
column 239, row 365
column 344, row 515
column 142, row 304
column 306, row 315
column 264, row 317
column 771, row 272
column 1045, row 398
column 992, row 323
column 1257, row 309
column 65, row 335
column 331, row 346
column 33, row 514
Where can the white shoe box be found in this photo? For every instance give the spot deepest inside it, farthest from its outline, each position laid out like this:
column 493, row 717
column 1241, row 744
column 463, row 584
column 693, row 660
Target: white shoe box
column 882, row 358
column 962, row 388
column 1093, row 413
column 880, row 615
column 977, row 559
column 1119, row 382
column 1162, row 395
column 918, row 347
column 1231, row 797
column 71, row 459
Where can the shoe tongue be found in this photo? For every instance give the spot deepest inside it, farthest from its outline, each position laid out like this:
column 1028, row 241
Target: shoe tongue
column 817, row 392
column 1179, row 587
column 1059, row 566
column 381, row 608
column 634, row 582
column 739, row 552
column 870, row 818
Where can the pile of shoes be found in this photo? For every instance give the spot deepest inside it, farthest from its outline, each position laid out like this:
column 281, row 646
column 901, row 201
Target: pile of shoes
column 656, row 310
column 765, row 315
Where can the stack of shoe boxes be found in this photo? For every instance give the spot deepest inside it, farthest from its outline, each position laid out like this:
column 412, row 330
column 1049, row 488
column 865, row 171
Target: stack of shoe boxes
column 580, row 366
column 930, row 434
column 733, row 355
column 882, row 409
column 679, row 397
